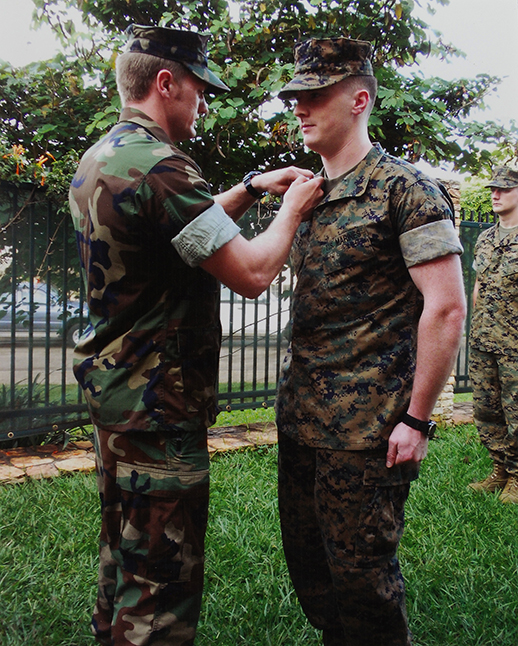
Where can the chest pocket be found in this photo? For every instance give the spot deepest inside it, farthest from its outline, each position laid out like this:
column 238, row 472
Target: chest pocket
column 349, row 248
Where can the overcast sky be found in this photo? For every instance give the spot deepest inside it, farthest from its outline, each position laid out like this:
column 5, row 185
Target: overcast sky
column 486, row 30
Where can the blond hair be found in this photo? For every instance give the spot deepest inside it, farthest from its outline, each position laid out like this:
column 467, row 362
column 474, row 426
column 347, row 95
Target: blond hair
column 136, row 73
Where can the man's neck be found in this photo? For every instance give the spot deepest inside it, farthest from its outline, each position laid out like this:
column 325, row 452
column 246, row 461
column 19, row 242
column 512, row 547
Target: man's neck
column 509, row 220
column 153, row 109
column 343, row 160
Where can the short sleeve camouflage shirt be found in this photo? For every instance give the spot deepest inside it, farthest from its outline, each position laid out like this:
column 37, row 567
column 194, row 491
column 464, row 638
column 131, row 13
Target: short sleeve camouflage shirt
column 148, row 360
column 494, row 324
column 348, row 373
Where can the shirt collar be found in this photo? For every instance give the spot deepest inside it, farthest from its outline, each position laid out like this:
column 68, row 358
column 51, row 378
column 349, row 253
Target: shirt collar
column 355, row 182
column 133, row 115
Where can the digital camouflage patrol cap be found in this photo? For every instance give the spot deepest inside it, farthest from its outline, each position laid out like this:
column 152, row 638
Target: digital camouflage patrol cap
column 186, row 47
column 503, row 177
column 324, row 62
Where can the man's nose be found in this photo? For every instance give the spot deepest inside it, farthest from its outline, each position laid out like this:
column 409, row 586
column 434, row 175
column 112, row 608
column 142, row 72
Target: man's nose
column 299, row 109
column 203, row 107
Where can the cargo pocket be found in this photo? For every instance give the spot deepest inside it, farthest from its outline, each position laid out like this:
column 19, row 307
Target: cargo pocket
column 381, row 521
column 162, row 527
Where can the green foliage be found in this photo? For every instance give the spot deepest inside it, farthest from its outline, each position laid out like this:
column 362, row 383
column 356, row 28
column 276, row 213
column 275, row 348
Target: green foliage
column 251, row 48
column 22, row 397
column 45, row 109
column 474, row 196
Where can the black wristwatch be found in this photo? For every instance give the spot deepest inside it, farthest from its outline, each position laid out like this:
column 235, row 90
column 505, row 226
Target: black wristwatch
column 427, row 428
column 247, row 181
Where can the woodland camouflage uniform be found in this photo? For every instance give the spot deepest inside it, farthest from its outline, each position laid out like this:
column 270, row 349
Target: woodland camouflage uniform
column 147, row 364
column 347, row 377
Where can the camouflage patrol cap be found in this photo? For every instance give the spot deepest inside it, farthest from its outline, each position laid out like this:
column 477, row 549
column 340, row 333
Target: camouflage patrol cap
column 324, row 62
column 503, row 177
column 186, row 47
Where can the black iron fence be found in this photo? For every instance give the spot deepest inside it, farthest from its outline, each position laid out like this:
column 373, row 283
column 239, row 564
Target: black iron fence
column 42, row 313
column 471, row 225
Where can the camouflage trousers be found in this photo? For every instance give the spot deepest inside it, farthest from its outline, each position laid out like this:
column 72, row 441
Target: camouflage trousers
column 154, row 491
column 342, row 517
column 494, row 379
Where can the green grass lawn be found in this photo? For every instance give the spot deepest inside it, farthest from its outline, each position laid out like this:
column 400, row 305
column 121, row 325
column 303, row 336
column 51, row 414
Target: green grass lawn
column 459, row 556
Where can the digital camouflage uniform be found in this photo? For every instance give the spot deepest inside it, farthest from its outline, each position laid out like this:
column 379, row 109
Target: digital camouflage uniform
column 494, row 345
column 346, row 382
column 144, row 221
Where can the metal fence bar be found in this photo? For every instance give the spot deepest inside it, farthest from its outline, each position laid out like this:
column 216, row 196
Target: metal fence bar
column 471, row 226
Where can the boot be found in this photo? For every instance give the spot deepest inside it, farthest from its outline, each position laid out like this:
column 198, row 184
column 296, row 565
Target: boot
column 510, row 492
column 494, row 482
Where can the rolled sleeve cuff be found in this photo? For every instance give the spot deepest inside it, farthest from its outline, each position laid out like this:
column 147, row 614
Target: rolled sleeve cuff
column 207, row 233
column 432, row 240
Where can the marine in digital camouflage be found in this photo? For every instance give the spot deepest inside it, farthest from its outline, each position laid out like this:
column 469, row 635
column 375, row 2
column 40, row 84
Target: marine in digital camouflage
column 494, row 323
column 348, row 581
column 493, row 358
column 149, row 358
column 186, row 47
column 324, row 62
column 347, row 377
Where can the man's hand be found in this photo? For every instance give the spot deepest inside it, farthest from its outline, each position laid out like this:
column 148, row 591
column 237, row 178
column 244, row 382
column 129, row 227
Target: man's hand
column 303, row 195
column 277, row 182
column 406, row 445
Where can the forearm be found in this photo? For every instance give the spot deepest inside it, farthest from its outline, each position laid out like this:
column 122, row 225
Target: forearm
column 236, row 201
column 249, row 266
column 438, row 341
column 439, row 335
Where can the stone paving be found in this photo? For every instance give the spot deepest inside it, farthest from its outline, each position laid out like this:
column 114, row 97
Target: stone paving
column 51, row 460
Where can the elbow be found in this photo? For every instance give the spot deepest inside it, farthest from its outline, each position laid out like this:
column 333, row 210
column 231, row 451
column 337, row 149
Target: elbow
column 455, row 319
column 253, row 290
column 253, row 283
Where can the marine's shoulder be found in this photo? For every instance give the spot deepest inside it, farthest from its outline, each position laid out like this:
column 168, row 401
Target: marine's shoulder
column 396, row 167
column 487, row 235
column 131, row 151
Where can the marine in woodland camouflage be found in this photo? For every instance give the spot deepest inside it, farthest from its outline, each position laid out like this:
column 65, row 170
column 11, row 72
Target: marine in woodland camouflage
column 149, row 358
column 154, row 490
column 147, row 365
column 348, row 374
column 494, row 323
column 323, row 62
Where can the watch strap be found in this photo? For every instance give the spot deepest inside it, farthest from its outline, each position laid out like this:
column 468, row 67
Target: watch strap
column 426, row 427
column 247, row 181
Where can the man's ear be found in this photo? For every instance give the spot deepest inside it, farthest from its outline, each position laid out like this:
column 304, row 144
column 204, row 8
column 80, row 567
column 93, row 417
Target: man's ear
column 164, row 82
column 361, row 101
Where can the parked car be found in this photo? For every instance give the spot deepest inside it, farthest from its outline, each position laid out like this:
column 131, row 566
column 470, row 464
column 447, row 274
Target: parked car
column 57, row 325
